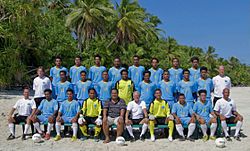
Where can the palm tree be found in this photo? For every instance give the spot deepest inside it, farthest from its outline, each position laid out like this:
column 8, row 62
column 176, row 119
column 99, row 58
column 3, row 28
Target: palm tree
column 88, row 19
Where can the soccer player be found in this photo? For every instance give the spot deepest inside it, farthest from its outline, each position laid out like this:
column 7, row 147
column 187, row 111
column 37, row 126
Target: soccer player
column 55, row 74
column 95, row 72
column 220, row 82
column 156, row 73
column 175, row 71
column 104, row 88
column 91, row 114
column 113, row 113
column 194, row 70
column 82, row 88
column 115, row 71
column 74, row 71
column 26, row 108
column 147, row 88
column 137, row 109
column 184, row 115
column 187, row 87
column 40, row 83
column 125, row 87
column 225, row 109
column 168, row 89
column 205, row 83
column 48, row 111
column 160, row 114
column 62, row 87
column 68, row 113
column 135, row 72
column 203, row 109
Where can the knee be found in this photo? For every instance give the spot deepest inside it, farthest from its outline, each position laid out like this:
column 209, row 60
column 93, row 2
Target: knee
column 222, row 118
column 240, row 118
column 120, row 121
column 213, row 120
column 51, row 120
column 201, row 121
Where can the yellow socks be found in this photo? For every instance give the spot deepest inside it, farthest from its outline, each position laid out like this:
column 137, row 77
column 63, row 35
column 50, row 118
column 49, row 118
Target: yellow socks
column 151, row 127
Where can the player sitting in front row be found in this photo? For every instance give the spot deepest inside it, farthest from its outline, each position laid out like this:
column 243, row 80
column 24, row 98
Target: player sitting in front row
column 139, row 115
column 91, row 114
column 225, row 108
column 203, row 109
column 184, row 115
column 68, row 113
column 160, row 114
column 48, row 109
column 26, row 107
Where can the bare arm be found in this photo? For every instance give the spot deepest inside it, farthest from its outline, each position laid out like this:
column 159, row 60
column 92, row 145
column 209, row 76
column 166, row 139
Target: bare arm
column 12, row 112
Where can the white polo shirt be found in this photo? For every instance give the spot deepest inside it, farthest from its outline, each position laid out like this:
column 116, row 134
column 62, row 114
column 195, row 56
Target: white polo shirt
column 225, row 107
column 136, row 109
column 39, row 85
column 25, row 106
column 221, row 83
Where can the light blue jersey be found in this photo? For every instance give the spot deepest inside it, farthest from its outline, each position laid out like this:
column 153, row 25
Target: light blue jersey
column 147, row 92
column 205, row 85
column 95, row 74
column 104, row 91
column 182, row 111
column 61, row 90
column 203, row 110
column 175, row 75
column 187, row 88
column 55, row 74
column 48, row 108
column 74, row 73
column 156, row 75
column 194, row 74
column 136, row 75
column 115, row 74
column 168, row 89
column 82, row 89
column 69, row 109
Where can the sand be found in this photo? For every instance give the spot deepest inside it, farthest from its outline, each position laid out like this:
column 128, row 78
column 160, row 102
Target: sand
column 8, row 99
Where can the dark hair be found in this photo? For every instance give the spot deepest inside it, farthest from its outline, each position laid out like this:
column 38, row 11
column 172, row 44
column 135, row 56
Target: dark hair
column 79, row 57
column 145, row 72
column 202, row 91
column 194, row 58
column 98, row 56
column 181, row 94
column 175, row 59
column 203, row 68
column 124, row 70
column 155, row 59
column 105, row 71
column 158, row 90
column 91, row 90
column 47, row 90
column 185, row 70
column 26, row 87
column 115, row 89
column 166, row 71
column 83, row 72
column 42, row 68
column 117, row 57
column 70, row 90
column 136, row 56
column 58, row 57
column 63, row 71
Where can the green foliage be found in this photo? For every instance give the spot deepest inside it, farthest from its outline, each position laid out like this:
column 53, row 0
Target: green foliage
column 33, row 32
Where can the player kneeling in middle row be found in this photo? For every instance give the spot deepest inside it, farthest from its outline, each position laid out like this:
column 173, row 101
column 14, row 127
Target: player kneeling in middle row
column 91, row 114
column 68, row 113
column 138, row 111
column 48, row 109
column 203, row 109
column 160, row 114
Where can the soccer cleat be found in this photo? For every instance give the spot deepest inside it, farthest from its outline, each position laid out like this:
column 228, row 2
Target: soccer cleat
column 73, row 138
column 47, row 136
column 142, row 137
column 11, row 137
column 96, row 139
column 182, row 138
column 153, row 138
column 237, row 138
column 24, row 137
column 212, row 138
column 190, row 139
column 132, row 139
column 205, row 138
column 57, row 138
column 83, row 138
column 170, row 138
column 228, row 139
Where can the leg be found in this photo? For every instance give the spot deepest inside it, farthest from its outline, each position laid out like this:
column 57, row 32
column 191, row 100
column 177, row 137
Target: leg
column 151, row 129
column 203, row 125
column 26, row 128
column 191, row 128
column 239, row 122
column 213, row 127
column 179, row 128
column 105, row 127
column 144, row 128
column 58, row 128
column 75, row 128
column 170, row 128
column 129, row 128
column 120, row 124
column 11, row 125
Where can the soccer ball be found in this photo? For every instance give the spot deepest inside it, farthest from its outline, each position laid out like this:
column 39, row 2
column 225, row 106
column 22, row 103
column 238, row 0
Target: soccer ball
column 220, row 142
column 37, row 138
column 120, row 141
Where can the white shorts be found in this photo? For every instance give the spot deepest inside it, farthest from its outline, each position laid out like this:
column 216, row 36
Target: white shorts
column 112, row 121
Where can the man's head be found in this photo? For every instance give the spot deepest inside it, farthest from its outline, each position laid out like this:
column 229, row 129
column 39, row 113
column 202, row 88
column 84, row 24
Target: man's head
column 154, row 63
column 105, row 75
column 221, row 70
column 136, row 96
column 124, row 74
column 98, row 59
column 195, row 62
column 78, row 60
column 47, row 94
column 186, row 74
column 63, row 75
column 92, row 93
column 117, row 62
column 70, row 94
column 158, row 94
column 146, row 76
column 58, row 61
column 114, row 94
column 40, row 71
column 182, row 99
column 175, row 62
column 166, row 75
column 26, row 92
column 83, row 75
column 136, row 60
column 202, row 95
column 226, row 93
column 203, row 71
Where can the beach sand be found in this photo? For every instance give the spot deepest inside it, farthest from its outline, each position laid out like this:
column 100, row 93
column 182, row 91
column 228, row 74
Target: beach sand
column 8, row 99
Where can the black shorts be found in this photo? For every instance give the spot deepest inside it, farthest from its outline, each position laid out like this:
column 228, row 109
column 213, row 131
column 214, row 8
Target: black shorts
column 160, row 120
column 90, row 120
column 230, row 120
column 19, row 119
column 136, row 121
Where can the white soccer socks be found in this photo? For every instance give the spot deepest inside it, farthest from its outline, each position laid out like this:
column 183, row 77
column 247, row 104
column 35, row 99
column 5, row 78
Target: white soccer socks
column 144, row 129
column 49, row 128
column 74, row 127
column 179, row 129
column 238, row 127
column 58, row 128
column 204, row 129
column 213, row 129
column 224, row 127
column 130, row 130
column 37, row 126
column 12, row 129
column 191, row 128
column 26, row 128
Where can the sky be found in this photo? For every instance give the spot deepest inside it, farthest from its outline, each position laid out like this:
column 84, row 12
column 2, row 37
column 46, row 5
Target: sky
column 223, row 24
